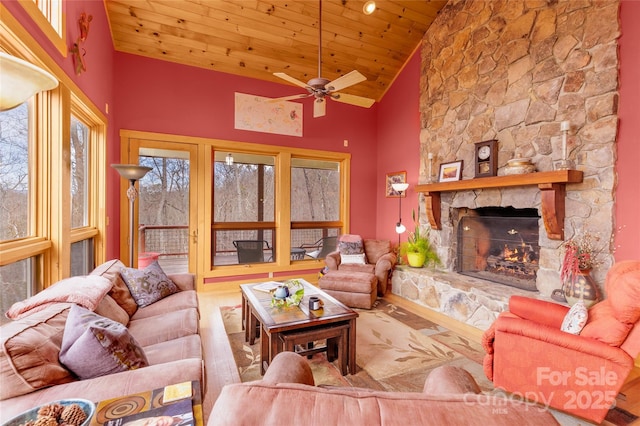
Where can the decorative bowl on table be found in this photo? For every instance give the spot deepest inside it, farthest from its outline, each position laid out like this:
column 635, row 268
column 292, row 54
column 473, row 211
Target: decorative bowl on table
column 290, row 293
column 76, row 412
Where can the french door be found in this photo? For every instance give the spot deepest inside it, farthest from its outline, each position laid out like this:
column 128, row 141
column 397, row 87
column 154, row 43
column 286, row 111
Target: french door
column 166, row 211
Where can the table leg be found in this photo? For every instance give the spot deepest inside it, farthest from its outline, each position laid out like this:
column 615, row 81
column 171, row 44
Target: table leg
column 245, row 318
column 264, row 350
column 351, row 347
column 252, row 324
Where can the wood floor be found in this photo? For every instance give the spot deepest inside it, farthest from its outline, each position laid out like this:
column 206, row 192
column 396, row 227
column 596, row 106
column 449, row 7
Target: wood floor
column 220, row 367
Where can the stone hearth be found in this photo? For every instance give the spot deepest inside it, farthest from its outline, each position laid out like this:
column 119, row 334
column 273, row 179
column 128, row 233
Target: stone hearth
column 469, row 300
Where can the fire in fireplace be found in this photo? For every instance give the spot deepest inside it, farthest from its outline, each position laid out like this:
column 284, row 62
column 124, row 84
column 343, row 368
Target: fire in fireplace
column 501, row 245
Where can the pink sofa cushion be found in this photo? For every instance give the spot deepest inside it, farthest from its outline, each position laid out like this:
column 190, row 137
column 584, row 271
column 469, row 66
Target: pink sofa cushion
column 602, row 325
column 120, row 292
column 30, row 349
column 109, row 308
column 623, row 291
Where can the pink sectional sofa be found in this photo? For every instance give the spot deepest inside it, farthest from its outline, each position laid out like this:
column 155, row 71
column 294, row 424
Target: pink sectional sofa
column 287, row 395
column 167, row 330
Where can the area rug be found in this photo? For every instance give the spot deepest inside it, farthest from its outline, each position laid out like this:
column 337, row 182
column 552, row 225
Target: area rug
column 396, row 350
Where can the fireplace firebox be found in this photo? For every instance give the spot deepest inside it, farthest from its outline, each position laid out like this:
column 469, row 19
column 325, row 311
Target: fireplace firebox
column 500, row 245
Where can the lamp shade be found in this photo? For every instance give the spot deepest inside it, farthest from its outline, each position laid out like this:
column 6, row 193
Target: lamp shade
column 400, row 187
column 131, row 171
column 400, row 228
column 20, row 80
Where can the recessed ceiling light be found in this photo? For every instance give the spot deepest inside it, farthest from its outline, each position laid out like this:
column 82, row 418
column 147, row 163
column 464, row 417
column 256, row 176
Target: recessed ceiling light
column 369, row 7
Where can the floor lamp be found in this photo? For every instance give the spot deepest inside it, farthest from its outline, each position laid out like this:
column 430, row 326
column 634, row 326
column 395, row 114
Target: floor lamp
column 400, row 188
column 133, row 173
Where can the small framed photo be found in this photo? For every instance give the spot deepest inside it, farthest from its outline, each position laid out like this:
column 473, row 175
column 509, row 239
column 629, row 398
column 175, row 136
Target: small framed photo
column 450, row 172
column 395, row 177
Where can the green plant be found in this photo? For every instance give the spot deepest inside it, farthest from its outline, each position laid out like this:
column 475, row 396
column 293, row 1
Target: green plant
column 418, row 242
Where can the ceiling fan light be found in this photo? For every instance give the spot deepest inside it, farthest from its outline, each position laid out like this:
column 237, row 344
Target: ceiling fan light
column 369, row 7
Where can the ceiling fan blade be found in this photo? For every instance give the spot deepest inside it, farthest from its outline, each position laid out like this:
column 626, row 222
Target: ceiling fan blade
column 319, row 108
column 288, row 98
column 290, row 79
column 346, row 80
column 353, row 99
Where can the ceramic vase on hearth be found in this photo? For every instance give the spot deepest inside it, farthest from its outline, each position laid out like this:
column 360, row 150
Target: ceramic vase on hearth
column 581, row 286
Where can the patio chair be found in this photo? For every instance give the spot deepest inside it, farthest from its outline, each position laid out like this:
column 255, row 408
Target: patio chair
column 322, row 247
column 251, row 251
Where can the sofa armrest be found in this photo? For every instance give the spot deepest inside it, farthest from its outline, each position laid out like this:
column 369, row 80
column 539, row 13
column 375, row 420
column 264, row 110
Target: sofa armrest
column 288, row 367
column 448, row 379
column 332, row 260
column 385, row 263
column 184, row 281
column 557, row 338
column 539, row 311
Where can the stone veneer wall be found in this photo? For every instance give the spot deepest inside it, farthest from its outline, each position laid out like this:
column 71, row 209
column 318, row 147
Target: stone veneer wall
column 512, row 70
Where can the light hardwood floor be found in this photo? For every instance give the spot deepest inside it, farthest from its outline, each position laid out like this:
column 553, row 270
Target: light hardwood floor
column 220, row 367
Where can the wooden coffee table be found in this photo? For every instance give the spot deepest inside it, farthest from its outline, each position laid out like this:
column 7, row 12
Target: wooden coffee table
column 289, row 327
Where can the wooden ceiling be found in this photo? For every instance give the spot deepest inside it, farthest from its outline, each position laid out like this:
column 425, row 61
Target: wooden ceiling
column 255, row 38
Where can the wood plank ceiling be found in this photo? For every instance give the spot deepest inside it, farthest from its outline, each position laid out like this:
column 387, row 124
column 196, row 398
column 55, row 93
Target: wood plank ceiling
column 255, row 38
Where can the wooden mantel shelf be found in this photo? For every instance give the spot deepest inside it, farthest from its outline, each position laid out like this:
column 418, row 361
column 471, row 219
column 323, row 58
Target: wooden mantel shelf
column 551, row 184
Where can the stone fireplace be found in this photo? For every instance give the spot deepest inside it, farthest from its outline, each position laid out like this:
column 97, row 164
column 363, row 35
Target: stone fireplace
column 512, row 71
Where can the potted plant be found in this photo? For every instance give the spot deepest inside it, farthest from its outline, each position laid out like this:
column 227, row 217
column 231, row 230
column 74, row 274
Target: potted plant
column 580, row 256
column 417, row 248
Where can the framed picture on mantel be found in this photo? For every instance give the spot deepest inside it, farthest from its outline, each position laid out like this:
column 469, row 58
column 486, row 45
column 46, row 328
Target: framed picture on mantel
column 450, row 172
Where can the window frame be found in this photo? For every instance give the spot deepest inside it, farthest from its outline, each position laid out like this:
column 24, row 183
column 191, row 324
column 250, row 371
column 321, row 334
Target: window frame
column 45, row 21
column 50, row 236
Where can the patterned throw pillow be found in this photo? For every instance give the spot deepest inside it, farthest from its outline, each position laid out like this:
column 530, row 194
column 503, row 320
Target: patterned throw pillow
column 93, row 345
column 575, row 319
column 149, row 285
column 351, row 244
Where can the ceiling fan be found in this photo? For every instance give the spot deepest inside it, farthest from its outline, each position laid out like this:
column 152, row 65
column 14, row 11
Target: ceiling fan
column 321, row 88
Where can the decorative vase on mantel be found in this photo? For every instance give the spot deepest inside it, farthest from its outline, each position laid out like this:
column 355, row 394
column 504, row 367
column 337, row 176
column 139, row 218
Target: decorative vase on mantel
column 581, row 286
column 416, row 260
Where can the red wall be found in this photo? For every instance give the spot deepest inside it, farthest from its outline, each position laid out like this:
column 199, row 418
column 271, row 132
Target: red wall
column 164, row 97
column 627, row 238
column 399, row 148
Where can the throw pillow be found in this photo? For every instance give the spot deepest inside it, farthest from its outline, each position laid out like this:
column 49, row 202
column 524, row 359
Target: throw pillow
column 575, row 319
column 120, row 292
column 149, row 285
column 93, row 345
column 350, row 244
column 353, row 259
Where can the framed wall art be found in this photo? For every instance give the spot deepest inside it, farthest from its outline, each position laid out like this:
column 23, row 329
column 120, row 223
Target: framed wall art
column 395, row 177
column 450, row 172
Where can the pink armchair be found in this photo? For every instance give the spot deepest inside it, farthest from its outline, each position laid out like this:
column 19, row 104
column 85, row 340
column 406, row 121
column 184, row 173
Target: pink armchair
column 380, row 259
column 528, row 354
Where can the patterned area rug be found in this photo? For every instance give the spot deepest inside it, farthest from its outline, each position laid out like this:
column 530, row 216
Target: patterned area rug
column 396, row 350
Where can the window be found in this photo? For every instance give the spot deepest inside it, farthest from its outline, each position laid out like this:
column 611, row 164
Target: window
column 244, row 194
column 79, row 173
column 50, row 147
column 315, row 185
column 15, row 175
column 47, row 14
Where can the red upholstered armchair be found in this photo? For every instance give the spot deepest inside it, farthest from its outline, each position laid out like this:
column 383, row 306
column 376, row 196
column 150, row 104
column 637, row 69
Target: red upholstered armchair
column 379, row 258
column 528, row 354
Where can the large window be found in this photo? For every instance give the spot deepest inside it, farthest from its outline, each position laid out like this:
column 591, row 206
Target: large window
column 15, row 175
column 315, row 187
column 244, row 197
column 52, row 154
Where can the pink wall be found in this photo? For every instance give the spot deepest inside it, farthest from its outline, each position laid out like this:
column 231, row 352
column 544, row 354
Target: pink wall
column 164, row 97
column 627, row 239
column 399, row 148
